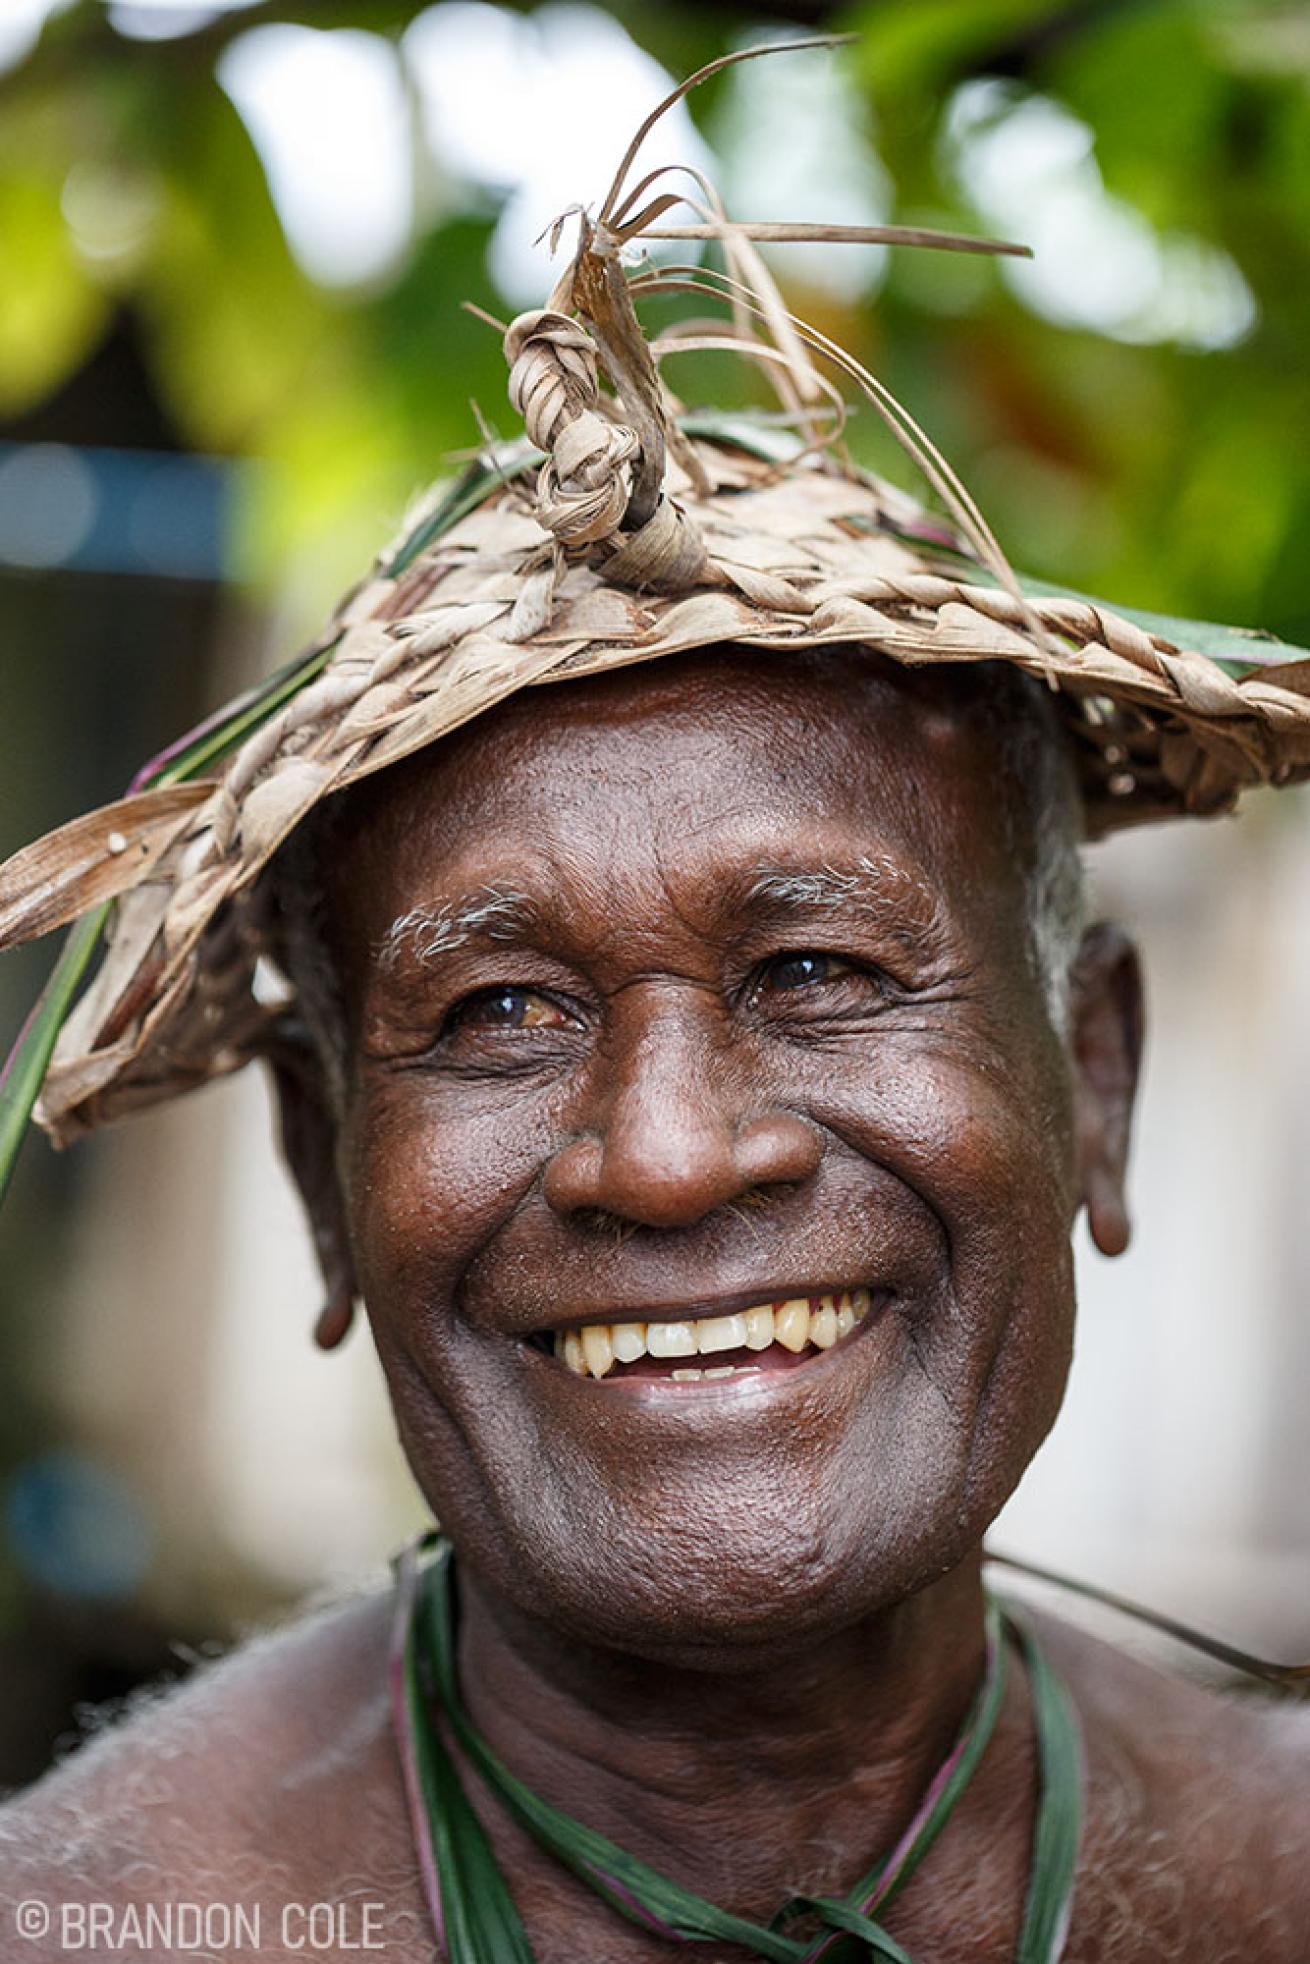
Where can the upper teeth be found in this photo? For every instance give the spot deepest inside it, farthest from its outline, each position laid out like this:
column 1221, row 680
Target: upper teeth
column 801, row 1320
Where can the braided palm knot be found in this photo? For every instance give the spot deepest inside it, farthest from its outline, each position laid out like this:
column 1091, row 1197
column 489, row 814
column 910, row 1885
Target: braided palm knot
column 586, row 481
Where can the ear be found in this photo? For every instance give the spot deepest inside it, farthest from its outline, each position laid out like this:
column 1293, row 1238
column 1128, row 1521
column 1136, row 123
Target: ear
column 307, row 1129
column 1106, row 1038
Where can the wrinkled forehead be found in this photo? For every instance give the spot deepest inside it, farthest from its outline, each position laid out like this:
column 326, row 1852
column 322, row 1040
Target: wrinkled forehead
column 696, row 777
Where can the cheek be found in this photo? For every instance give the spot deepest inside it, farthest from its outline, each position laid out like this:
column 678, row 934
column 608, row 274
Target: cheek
column 433, row 1173
column 985, row 1142
column 981, row 1132
column 1010, row 1196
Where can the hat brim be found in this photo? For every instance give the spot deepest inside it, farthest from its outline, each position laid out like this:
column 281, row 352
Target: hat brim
column 474, row 603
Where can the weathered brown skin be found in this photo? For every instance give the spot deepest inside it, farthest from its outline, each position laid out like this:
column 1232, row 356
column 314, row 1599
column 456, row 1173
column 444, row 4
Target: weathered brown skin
column 736, row 1633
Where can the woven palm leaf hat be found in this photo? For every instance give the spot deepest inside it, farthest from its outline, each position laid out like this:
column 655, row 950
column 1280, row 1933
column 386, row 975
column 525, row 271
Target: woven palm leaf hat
column 617, row 530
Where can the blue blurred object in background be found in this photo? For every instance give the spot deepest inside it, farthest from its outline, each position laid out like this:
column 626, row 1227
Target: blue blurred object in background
column 77, row 1528
column 101, row 510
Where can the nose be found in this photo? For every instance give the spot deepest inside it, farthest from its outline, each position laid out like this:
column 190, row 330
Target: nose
column 678, row 1134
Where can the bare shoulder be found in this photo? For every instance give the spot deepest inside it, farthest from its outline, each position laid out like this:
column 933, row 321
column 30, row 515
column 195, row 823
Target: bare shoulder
column 1198, row 1806
column 1176, row 1722
column 269, row 1776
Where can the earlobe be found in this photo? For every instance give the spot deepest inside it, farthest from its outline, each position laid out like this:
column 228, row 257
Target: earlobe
column 307, row 1130
column 1106, row 1039
column 332, row 1325
column 1107, row 1213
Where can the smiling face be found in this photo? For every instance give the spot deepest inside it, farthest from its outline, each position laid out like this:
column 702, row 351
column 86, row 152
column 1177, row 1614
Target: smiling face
column 693, row 1028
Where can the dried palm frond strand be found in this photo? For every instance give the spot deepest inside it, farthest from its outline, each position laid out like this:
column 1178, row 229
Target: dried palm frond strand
column 1288, row 1677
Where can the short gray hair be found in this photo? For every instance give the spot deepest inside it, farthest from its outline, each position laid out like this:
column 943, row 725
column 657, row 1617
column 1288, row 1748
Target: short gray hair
column 1045, row 822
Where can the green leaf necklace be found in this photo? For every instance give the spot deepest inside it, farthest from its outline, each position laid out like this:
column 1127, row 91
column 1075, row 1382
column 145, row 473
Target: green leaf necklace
column 473, row 1913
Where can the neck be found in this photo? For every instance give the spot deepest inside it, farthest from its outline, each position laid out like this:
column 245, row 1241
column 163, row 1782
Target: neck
column 793, row 1770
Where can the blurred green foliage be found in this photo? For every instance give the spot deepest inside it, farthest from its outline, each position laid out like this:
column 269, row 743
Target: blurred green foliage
column 1168, row 475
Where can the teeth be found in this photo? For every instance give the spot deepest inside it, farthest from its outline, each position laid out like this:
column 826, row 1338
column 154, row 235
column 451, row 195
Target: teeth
column 791, row 1324
column 629, row 1341
column 670, row 1340
column 820, row 1321
column 597, row 1348
column 721, row 1333
column 759, row 1327
column 719, row 1371
column 823, row 1324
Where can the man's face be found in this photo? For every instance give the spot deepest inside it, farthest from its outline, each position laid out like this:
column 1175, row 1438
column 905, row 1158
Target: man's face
column 689, row 991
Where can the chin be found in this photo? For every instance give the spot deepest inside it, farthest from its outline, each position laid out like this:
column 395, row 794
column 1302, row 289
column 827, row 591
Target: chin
column 699, row 1520
column 709, row 1574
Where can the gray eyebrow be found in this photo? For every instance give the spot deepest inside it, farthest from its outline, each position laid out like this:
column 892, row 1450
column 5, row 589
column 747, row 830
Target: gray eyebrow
column 874, row 882
column 493, row 913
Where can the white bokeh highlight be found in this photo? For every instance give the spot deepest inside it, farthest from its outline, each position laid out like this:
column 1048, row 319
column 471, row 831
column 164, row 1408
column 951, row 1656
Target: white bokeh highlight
column 21, row 22
column 538, row 110
column 1029, row 166
column 328, row 113
column 168, row 20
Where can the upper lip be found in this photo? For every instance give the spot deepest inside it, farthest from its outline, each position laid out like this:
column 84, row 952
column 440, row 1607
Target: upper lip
column 695, row 1311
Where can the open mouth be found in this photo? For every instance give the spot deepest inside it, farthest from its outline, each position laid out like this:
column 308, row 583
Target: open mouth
column 768, row 1337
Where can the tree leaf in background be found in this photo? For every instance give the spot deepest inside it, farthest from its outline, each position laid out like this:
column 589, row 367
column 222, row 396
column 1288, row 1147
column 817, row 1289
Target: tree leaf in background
column 243, row 337
column 1188, row 119
column 439, row 358
column 51, row 313
column 918, row 44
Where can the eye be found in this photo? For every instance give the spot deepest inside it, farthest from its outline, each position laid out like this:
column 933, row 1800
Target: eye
column 508, row 1008
column 803, row 969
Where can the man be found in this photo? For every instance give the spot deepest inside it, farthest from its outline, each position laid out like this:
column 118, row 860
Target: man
column 697, row 1069
column 664, row 998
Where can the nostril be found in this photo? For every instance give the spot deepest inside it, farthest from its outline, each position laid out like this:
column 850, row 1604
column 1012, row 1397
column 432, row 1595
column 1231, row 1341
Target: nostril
column 620, row 1184
column 670, row 1151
